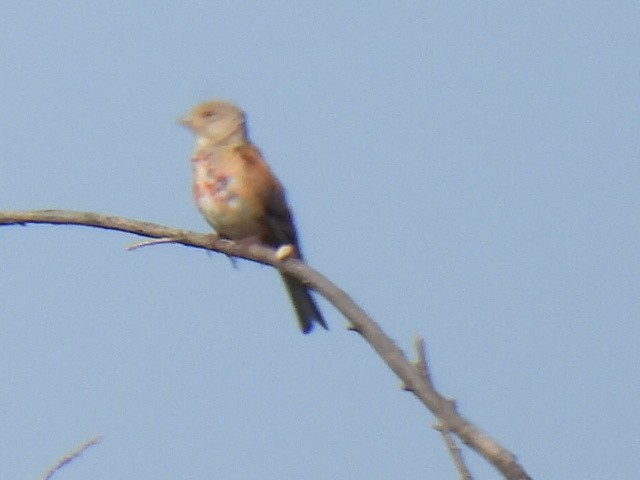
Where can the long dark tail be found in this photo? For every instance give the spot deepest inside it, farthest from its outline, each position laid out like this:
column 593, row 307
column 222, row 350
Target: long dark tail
column 306, row 308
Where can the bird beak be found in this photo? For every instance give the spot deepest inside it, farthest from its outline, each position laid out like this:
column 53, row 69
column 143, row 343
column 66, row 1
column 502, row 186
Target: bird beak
column 186, row 121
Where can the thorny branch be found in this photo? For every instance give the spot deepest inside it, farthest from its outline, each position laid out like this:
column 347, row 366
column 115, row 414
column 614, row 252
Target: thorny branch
column 414, row 379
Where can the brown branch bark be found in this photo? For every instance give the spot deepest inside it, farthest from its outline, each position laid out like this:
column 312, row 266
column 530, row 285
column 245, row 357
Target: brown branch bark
column 414, row 380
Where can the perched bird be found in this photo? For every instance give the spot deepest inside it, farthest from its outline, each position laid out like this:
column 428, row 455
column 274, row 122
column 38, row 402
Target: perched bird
column 238, row 194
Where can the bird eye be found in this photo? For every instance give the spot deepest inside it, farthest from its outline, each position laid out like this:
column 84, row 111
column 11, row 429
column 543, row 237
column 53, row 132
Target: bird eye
column 208, row 113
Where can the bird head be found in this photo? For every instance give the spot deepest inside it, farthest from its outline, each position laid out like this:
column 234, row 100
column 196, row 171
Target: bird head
column 216, row 123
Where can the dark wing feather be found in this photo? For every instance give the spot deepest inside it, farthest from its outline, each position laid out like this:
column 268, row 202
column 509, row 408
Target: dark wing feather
column 279, row 228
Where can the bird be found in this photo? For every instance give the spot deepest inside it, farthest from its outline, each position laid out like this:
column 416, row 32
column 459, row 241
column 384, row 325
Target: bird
column 238, row 194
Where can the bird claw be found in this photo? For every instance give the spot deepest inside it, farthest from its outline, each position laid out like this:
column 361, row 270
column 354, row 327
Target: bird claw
column 213, row 239
column 247, row 242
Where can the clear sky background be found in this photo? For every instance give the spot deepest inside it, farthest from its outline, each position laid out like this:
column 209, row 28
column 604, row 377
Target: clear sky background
column 467, row 171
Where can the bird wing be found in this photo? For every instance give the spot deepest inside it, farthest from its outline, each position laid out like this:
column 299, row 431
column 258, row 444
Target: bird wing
column 277, row 220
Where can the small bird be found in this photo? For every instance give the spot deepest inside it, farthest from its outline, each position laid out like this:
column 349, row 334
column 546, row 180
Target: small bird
column 238, row 194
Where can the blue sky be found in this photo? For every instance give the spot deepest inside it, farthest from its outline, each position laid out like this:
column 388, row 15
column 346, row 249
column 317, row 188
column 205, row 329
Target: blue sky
column 467, row 171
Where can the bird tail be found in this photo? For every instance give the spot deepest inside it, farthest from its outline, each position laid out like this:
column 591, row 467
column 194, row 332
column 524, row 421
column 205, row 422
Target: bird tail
column 304, row 304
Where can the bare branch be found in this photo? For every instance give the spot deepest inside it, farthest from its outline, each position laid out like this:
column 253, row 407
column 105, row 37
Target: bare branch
column 413, row 379
column 71, row 456
column 452, row 446
column 147, row 243
column 455, row 452
column 421, row 363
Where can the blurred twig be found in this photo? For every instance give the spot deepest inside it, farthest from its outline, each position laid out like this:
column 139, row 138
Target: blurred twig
column 71, row 456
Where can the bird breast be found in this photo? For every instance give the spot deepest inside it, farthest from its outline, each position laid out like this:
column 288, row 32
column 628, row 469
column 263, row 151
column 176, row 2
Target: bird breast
column 218, row 193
